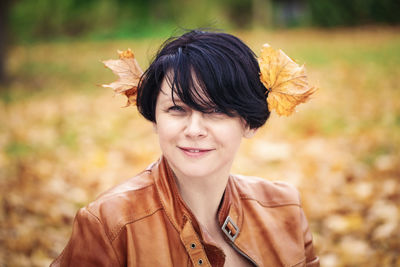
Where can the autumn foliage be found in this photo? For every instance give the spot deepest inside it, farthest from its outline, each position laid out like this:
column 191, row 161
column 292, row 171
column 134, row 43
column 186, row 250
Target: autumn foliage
column 128, row 71
column 285, row 80
column 64, row 140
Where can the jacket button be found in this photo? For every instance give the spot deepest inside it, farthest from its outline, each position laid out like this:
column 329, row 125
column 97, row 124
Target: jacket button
column 200, row 262
column 193, row 245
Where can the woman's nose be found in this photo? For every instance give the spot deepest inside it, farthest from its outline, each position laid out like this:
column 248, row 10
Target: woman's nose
column 195, row 127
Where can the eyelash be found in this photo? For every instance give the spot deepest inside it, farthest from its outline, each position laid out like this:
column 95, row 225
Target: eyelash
column 176, row 108
column 217, row 111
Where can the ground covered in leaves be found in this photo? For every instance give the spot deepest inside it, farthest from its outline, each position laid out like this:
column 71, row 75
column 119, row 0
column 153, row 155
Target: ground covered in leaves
column 63, row 140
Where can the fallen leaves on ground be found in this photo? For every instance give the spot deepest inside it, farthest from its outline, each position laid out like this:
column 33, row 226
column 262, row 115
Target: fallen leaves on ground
column 61, row 148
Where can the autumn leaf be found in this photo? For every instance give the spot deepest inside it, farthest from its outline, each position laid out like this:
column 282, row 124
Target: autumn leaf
column 129, row 72
column 285, row 80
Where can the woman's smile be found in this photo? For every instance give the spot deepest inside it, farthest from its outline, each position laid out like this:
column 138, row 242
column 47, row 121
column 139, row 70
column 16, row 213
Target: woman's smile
column 195, row 152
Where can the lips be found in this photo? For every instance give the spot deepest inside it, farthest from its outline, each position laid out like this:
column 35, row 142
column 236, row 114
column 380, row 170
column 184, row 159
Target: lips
column 194, row 152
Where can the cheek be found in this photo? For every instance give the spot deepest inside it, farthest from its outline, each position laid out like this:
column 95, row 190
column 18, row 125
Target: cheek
column 231, row 135
column 167, row 129
column 165, row 138
column 233, row 128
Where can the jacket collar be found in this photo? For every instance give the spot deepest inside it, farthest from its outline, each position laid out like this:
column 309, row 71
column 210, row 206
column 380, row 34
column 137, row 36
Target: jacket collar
column 230, row 215
column 179, row 213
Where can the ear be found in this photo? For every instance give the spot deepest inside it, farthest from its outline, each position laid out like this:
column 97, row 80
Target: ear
column 249, row 133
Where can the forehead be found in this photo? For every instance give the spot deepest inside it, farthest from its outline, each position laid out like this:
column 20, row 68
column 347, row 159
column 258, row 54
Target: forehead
column 165, row 93
column 191, row 93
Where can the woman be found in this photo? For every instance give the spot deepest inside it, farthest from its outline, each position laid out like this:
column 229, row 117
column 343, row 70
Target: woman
column 203, row 94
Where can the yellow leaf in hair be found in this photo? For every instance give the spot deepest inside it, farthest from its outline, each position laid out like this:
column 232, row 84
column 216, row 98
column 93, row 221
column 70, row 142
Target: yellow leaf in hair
column 128, row 71
column 285, row 80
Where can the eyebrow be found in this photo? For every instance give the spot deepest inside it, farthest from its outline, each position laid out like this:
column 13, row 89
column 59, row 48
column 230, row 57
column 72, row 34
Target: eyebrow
column 173, row 100
column 177, row 101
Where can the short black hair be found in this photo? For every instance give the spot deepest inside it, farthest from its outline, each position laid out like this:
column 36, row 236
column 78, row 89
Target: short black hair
column 219, row 64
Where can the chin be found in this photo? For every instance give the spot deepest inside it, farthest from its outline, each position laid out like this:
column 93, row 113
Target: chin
column 191, row 170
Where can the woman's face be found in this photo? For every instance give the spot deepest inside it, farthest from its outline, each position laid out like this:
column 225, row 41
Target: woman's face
column 196, row 144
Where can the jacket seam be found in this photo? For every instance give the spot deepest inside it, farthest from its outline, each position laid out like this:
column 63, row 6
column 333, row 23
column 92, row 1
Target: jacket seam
column 129, row 219
column 271, row 205
column 304, row 259
column 114, row 233
column 109, row 240
column 174, row 224
column 106, row 196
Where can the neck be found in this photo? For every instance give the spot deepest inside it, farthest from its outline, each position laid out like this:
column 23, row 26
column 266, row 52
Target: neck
column 203, row 195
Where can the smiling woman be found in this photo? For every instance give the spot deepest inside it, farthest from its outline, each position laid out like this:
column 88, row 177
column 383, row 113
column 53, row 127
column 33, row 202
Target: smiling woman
column 197, row 144
column 203, row 94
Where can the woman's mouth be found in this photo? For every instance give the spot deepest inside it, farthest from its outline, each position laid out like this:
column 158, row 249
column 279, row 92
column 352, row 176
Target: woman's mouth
column 194, row 152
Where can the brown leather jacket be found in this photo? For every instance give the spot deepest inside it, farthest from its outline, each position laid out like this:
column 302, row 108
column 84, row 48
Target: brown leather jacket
column 144, row 222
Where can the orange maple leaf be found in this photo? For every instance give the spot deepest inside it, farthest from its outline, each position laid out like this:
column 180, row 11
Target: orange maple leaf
column 285, row 80
column 129, row 73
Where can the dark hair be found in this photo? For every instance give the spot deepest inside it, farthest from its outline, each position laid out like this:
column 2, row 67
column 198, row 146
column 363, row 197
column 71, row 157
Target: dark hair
column 220, row 65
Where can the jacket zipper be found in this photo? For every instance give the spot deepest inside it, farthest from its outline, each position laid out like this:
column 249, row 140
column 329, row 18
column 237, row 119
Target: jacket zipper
column 243, row 254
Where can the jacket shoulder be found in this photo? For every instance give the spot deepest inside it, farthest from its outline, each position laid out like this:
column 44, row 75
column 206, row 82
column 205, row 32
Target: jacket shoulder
column 267, row 193
column 126, row 203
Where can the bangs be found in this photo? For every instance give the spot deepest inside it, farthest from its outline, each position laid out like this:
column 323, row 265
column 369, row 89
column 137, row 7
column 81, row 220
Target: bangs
column 196, row 82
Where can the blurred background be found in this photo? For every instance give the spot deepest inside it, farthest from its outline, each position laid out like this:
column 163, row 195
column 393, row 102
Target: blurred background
column 64, row 139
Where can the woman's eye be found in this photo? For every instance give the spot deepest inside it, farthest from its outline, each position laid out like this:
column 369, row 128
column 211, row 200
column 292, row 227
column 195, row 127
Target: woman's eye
column 176, row 108
column 217, row 111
